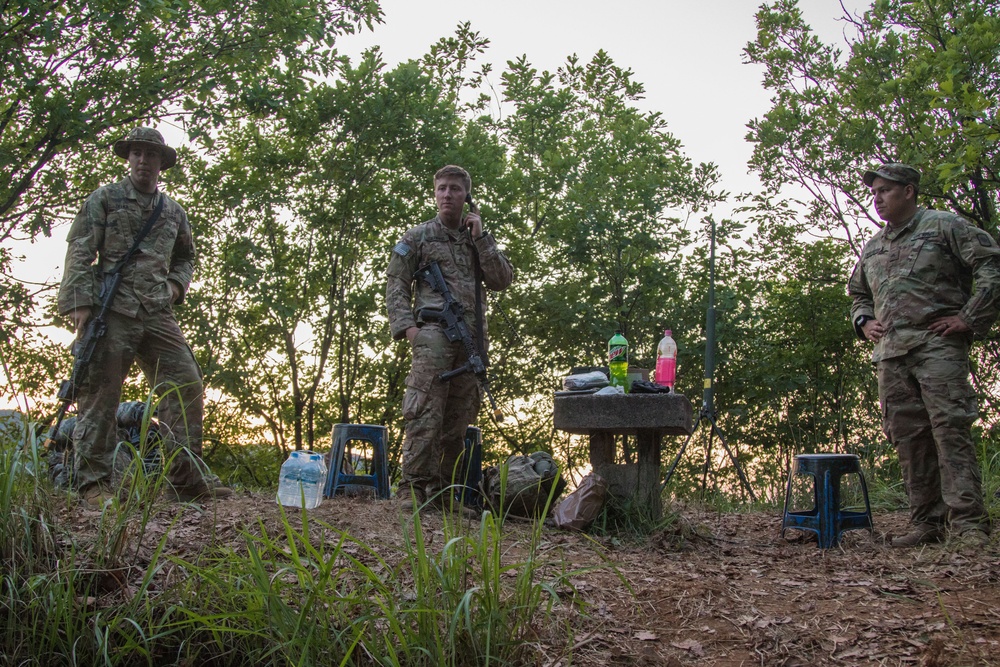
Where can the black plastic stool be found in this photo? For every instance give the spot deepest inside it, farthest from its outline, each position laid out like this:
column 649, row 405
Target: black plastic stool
column 337, row 478
column 827, row 519
column 472, row 466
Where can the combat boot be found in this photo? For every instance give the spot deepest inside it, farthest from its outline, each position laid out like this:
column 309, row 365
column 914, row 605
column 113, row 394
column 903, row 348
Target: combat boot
column 96, row 496
column 201, row 490
column 970, row 539
column 445, row 502
column 410, row 498
column 922, row 533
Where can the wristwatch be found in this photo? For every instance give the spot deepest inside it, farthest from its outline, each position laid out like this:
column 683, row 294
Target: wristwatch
column 861, row 320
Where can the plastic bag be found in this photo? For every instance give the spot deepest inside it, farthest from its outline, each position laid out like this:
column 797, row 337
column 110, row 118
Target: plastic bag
column 592, row 380
column 579, row 509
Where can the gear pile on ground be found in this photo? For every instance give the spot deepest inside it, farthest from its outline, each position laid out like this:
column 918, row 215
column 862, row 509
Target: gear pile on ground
column 132, row 423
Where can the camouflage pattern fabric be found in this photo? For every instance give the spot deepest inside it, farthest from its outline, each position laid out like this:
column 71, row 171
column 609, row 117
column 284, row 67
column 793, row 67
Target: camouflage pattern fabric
column 437, row 413
column 105, row 229
column 155, row 341
column 132, row 425
column 935, row 265
column 453, row 250
column 141, row 325
column 910, row 276
column 927, row 399
column 523, row 485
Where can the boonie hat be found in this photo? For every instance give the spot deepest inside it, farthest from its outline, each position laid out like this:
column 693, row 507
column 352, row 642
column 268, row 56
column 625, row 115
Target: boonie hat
column 893, row 171
column 147, row 135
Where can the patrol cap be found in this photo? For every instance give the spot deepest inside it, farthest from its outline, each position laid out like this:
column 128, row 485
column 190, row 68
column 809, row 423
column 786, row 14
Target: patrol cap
column 894, row 171
column 146, row 135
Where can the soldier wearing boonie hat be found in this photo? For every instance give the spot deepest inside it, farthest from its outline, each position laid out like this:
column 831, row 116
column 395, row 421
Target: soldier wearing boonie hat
column 140, row 323
column 147, row 135
column 924, row 285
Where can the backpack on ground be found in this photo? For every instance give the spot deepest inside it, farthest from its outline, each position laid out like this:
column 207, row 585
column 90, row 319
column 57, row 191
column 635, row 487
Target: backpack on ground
column 522, row 485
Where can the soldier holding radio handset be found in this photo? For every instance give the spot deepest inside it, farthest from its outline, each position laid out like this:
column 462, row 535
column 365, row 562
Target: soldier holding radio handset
column 437, row 412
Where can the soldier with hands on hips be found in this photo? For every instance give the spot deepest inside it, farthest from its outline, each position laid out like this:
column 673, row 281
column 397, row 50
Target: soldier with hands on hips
column 925, row 284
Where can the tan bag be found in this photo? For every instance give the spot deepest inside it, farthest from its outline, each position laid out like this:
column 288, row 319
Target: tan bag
column 579, row 509
column 522, row 486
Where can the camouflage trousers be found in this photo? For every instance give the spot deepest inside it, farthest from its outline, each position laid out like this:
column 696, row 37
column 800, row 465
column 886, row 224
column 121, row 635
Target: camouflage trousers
column 928, row 407
column 437, row 412
column 155, row 341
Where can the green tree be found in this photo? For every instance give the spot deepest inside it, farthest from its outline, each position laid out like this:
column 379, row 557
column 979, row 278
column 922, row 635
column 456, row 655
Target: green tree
column 77, row 75
column 600, row 194
column 918, row 84
column 291, row 316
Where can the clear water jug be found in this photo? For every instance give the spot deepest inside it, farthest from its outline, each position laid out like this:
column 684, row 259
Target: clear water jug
column 302, row 479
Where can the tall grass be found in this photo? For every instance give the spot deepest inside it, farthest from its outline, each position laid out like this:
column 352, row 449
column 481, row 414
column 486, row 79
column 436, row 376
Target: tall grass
column 306, row 594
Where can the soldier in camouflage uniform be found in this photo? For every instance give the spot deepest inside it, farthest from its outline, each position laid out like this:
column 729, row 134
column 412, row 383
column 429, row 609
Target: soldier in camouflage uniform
column 141, row 323
column 925, row 283
column 437, row 413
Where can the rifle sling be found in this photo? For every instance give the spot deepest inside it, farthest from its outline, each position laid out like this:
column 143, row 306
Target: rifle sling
column 142, row 234
column 480, row 315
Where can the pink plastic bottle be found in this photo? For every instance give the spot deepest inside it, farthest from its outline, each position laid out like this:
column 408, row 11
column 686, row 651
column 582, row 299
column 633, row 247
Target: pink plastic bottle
column 666, row 361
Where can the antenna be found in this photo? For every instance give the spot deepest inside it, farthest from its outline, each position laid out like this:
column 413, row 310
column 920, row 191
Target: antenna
column 707, row 412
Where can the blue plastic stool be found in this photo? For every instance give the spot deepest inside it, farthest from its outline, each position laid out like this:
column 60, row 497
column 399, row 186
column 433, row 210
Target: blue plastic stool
column 472, row 462
column 827, row 519
column 379, row 479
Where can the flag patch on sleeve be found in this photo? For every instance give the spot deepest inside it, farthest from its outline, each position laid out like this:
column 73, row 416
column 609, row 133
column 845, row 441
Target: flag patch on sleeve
column 402, row 249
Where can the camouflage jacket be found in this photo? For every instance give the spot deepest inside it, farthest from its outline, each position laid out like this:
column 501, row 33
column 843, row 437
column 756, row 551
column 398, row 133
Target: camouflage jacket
column 453, row 250
column 909, row 276
column 104, row 230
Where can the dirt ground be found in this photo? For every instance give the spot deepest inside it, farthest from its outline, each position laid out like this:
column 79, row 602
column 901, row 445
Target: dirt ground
column 720, row 589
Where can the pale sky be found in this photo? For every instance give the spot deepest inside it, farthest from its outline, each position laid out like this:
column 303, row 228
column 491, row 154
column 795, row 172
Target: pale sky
column 687, row 54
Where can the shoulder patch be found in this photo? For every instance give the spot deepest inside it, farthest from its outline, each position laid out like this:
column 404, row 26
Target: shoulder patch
column 985, row 239
column 402, row 249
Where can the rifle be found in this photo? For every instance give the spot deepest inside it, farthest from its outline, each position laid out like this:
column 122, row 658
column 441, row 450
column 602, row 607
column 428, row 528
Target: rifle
column 96, row 327
column 83, row 350
column 455, row 328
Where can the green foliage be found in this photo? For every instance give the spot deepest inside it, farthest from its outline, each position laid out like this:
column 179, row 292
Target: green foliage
column 78, row 75
column 292, row 276
column 310, row 166
column 917, row 85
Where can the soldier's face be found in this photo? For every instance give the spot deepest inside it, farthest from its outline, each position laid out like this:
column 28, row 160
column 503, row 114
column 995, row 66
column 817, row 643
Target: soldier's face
column 449, row 193
column 894, row 202
column 144, row 165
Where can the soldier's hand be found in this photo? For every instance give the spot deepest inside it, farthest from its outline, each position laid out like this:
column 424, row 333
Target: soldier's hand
column 79, row 318
column 411, row 333
column 175, row 292
column 474, row 224
column 948, row 326
column 873, row 330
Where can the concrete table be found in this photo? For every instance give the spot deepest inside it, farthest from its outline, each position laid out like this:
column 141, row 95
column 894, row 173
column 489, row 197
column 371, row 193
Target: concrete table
column 649, row 417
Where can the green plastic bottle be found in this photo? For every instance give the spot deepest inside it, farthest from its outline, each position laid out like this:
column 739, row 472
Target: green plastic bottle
column 618, row 360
